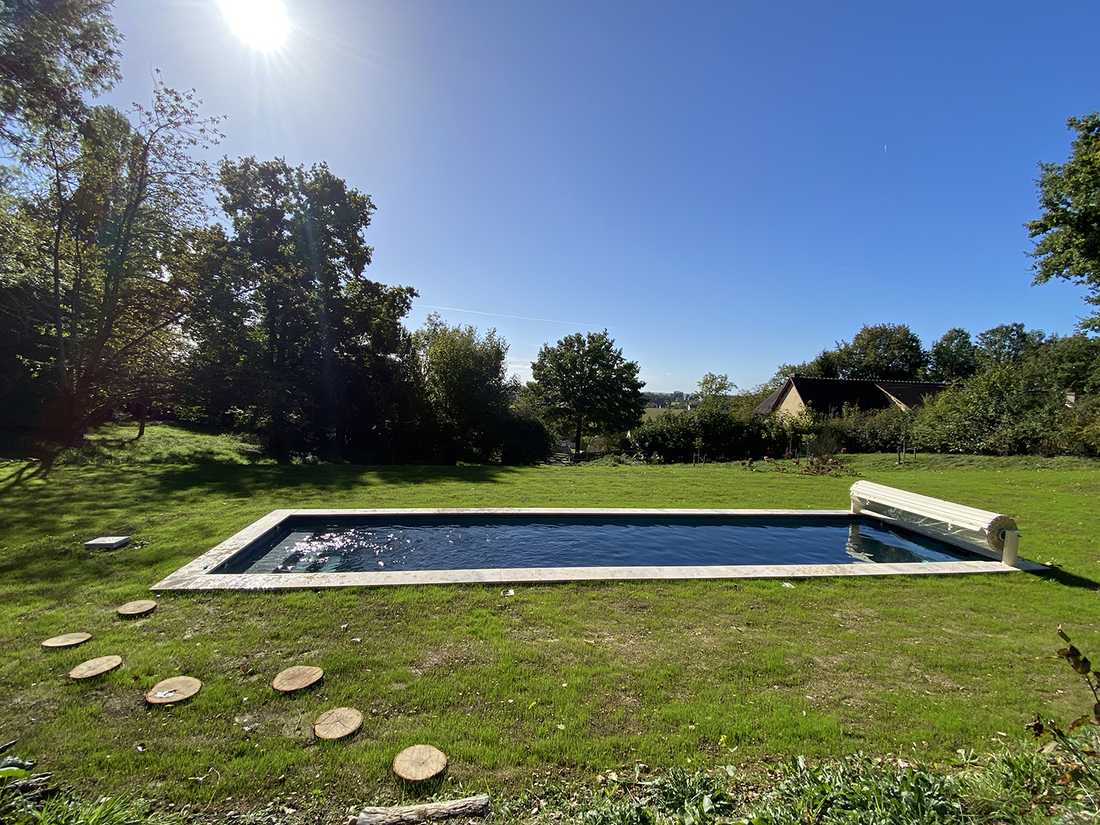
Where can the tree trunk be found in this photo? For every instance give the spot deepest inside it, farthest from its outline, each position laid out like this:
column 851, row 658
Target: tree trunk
column 400, row 815
column 577, row 439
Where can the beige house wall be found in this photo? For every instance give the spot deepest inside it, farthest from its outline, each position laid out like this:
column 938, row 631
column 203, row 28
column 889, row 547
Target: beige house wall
column 792, row 403
column 897, row 401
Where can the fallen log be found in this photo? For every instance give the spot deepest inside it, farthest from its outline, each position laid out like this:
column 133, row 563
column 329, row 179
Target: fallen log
column 428, row 812
column 33, row 788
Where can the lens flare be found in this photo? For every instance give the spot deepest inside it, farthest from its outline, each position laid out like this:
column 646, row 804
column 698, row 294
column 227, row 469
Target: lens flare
column 262, row 25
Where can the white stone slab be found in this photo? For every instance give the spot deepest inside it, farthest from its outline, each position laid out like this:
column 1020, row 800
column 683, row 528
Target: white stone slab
column 107, row 543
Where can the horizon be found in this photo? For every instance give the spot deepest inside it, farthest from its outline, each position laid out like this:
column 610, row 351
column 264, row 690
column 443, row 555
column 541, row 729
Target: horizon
column 724, row 189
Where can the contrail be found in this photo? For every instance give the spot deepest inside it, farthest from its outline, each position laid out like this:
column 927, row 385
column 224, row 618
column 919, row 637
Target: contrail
column 505, row 315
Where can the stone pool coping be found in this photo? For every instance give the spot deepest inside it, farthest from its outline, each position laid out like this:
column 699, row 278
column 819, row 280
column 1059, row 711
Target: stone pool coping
column 196, row 576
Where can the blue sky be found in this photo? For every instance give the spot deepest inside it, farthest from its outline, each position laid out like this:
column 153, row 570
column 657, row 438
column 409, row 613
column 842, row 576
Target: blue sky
column 723, row 186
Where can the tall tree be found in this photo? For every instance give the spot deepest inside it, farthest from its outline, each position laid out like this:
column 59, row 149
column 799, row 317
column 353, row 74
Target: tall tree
column 1070, row 364
column 883, row 351
column 53, row 53
column 828, row 363
column 1006, row 343
column 321, row 326
column 1067, row 233
column 466, row 387
column 714, row 389
column 222, row 378
column 953, row 356
column 585, row 383
column 105, row 218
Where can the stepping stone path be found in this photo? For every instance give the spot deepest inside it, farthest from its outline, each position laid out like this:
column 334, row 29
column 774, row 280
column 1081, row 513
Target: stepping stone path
column 337, row 723
column 67, row 640
column 298, row 677
column 171, row 691
column 95, row 667
column 415, row 764
column 135, row 610
column 419, row 763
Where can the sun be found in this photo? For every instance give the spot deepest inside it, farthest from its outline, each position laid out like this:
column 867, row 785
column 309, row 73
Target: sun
column 262, row 25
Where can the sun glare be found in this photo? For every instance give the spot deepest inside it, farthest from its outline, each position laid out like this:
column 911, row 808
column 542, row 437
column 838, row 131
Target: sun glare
column 262, row 25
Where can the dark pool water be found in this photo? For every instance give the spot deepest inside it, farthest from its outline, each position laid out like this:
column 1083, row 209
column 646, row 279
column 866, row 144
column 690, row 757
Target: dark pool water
column 326, row 544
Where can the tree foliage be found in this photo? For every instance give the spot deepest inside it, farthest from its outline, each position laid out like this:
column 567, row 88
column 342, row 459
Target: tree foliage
column 1006, row 343
column 1067, row 232
column 466, row 387
column 953, row 356
column 99, row 266
column 714, row 390
column 120, row 291
column 53, row 53
column 586, row 385
column 326, row 358
column 997, row 411
column 883, row 351
column 1027, row 405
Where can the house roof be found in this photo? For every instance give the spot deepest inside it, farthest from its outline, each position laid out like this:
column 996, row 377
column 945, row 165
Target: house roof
column 911, row 393
column 832, row 394
column 769, row 404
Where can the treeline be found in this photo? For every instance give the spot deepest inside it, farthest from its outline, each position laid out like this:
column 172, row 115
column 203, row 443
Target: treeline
column 123, row 293
column 263, row 323
column 136, row 279
column 1010, row 391
column 895, row 352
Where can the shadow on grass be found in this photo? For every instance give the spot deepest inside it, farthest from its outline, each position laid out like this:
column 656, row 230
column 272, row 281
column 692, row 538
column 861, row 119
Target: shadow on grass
column 46, row 518
column 25, row 472
column 1067, row 579
column 266, row 480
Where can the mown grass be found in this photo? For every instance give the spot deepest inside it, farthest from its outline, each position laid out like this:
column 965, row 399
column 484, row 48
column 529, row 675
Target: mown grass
column 566, row 679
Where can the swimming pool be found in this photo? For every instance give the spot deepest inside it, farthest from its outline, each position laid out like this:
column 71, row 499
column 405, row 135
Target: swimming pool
column 319, row 548
column 325, row 544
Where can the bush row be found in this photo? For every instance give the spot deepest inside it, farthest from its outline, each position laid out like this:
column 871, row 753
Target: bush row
column 981, row 416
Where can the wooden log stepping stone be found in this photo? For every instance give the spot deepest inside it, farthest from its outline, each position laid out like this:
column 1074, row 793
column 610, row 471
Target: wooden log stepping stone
column 298, row 677
column 137, row 609
column 419, row 763
column 337, row 723
column 173, row 690
column 95, row 667
column 67, row 640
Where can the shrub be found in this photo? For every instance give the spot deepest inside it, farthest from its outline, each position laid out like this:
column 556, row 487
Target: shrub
column 668, row 438
column 525, row 440
column 1080, row 428
column 1000, row 411
column 876, row 431
column 706, row 434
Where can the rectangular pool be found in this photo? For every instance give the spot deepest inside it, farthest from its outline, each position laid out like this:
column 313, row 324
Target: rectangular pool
column 306, row 548
column 320, row 544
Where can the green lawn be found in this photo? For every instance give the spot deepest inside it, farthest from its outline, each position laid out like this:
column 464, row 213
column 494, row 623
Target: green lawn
column 657, row 412
column 564, row 679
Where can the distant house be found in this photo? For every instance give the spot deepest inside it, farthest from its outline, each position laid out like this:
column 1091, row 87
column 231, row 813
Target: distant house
column 829, row 396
